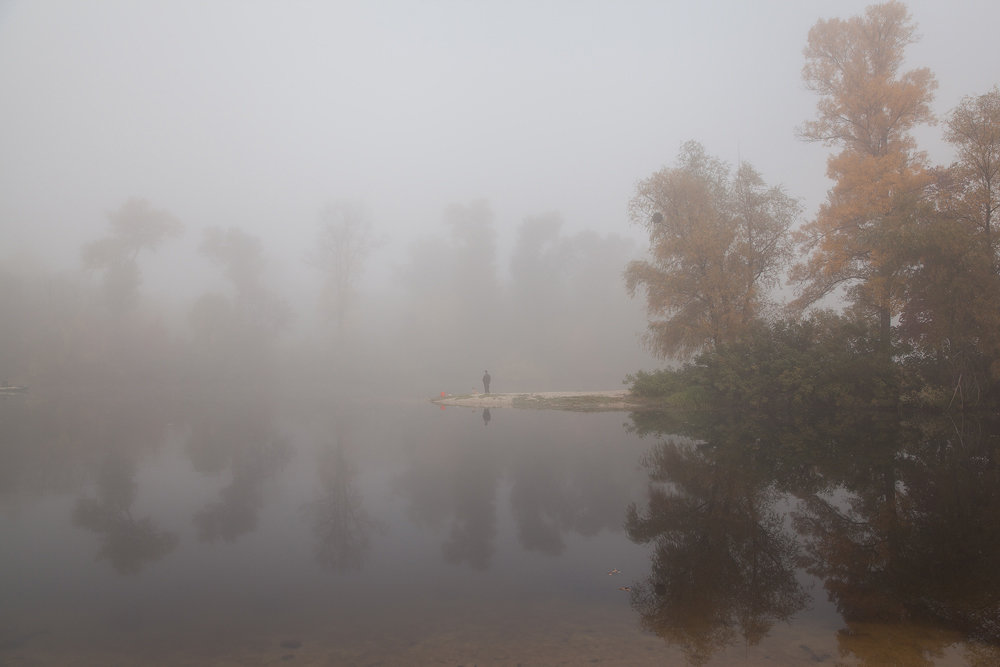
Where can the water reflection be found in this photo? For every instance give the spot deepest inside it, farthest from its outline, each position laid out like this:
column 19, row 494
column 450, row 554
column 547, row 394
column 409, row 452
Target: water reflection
column 239, row 438
column 898, row 520
column 855, row 538
column 106, row 441
column 339, row 521
column 569, row 490
column 450, row 485
column 913, row 538
column 127, row 542
column 723, row 566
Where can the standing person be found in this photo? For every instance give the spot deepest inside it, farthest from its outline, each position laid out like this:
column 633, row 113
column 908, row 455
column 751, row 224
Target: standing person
column 486, row 381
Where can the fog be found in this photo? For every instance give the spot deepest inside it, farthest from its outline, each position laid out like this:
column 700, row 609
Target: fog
column 489, row 150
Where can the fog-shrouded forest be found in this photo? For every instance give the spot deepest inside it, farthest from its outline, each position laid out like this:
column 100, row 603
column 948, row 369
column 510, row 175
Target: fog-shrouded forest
column 560, row 319
column 186, row 204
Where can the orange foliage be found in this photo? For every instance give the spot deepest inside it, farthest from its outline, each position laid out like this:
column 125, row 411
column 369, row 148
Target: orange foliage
column 867, row 108
column 717, row 242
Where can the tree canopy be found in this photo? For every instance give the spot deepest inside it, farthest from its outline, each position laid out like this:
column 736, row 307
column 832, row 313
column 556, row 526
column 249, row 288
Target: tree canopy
column 867, row 108
column 718, row 240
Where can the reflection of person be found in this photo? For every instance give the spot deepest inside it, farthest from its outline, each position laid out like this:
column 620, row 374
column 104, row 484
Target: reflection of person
column 486, row 416
column 486, row 382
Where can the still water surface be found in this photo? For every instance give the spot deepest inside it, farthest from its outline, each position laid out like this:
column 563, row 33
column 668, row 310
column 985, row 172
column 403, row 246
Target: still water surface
column 239, row 532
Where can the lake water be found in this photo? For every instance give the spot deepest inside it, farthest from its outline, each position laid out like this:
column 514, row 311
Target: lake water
column 250, row 531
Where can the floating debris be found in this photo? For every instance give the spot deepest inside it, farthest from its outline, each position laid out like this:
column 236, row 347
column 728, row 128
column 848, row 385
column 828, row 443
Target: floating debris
column 614, row 571
column 624, row 588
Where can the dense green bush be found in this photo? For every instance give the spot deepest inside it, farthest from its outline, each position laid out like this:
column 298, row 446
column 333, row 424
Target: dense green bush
column 823, row 361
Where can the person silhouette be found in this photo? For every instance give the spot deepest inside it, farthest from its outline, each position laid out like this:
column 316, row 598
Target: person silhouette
column 486, row 382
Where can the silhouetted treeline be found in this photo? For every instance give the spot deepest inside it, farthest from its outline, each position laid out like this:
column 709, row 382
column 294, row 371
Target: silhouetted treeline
column 552, row 315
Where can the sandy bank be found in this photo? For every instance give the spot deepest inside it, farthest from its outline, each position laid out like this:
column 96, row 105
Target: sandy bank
column 543, row 400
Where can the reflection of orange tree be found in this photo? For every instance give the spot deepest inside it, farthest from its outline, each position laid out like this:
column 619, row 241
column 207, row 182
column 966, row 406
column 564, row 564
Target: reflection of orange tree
column 911, row 541
column 338, row 519
column 127, row 542
column 721, row 561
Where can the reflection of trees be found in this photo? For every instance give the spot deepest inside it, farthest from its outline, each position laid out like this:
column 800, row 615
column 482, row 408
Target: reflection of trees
column 127, row 542
column 339, row 521
column 723, row 562
column 912, row 538
column 897, row 519
column 573, row 488
column 474, row 525
column 240, row 438
column 540, row 510
column 456, row 481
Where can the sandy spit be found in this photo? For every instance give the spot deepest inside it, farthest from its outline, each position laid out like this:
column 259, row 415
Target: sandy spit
column 608, row 400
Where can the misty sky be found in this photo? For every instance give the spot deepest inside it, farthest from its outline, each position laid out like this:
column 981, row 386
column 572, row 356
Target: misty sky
column 256, row 114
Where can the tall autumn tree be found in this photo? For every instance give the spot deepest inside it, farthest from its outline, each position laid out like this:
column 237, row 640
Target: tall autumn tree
column 718, row 240
column 867, row 108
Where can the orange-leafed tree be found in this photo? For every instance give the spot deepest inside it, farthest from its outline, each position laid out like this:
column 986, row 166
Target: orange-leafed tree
column 867, row 108
column 718, row 241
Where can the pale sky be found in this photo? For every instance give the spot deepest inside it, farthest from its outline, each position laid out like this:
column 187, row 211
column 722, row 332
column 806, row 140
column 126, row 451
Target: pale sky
column 256, row 114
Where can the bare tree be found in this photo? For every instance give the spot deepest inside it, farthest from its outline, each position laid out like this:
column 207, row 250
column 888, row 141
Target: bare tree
column 346, row 240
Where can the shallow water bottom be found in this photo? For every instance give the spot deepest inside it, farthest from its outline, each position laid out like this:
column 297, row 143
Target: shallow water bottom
column 546, row 634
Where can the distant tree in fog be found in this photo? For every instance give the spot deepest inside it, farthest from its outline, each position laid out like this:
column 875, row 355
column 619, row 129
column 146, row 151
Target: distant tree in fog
column 136, row 226
column 718, row 241
column 346, row 240
column 452, row 308
column 474, row 281
column 241, row 257
column 474, row 238
column 539, row 254
column 234, row 336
